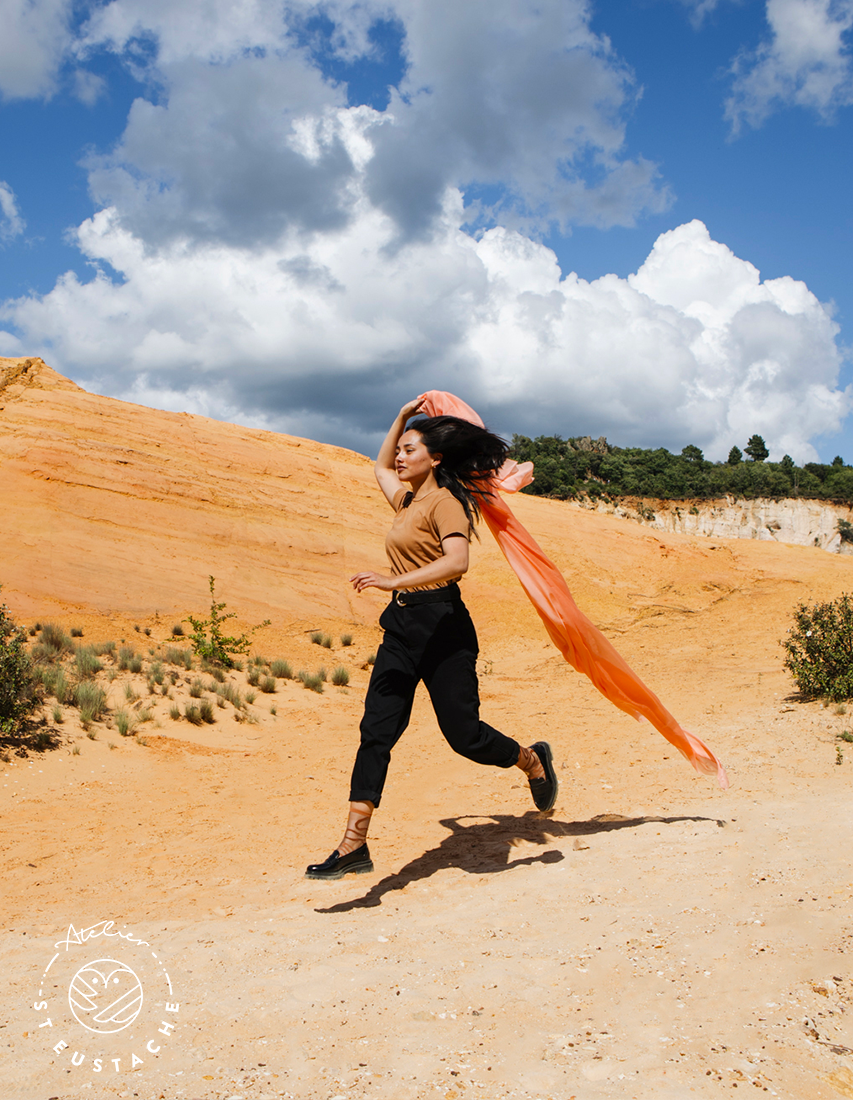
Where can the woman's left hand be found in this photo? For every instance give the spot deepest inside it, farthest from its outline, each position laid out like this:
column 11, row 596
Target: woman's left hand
column 372, row 580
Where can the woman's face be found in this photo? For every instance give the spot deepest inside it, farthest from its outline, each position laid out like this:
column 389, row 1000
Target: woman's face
column 413, row 461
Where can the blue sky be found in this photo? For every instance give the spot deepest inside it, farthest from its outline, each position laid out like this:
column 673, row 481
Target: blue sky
column 298, row 215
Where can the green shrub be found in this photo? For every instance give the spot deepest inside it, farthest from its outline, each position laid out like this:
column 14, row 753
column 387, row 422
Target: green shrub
column 819, row 649
column 104, row 649
column 250, row 696
column 253, row 677
column 126, row 654
column 282, row 670
column 268, row 684
column 340, row 677
column 177, row 631
column 87, row 663
column 174, row 712
column 20, row 689
column 76, row 632
column 125, row 722
column 156, row 672
column 215, row 671
column 135, row 664
column 326, row 642
column 54, row 638
column 56, row 682
column 371, row 658
column 229, row 692
column 57, row 715
column 313, row 683
column 91, row 701
column 207, row 639
column 181, row 657
column 130, row 693
column 321, row 672
column 193, row 714
column 845, row 530
column 317, row 637
column 346, row 639
column 196, row 688
column 205, row 709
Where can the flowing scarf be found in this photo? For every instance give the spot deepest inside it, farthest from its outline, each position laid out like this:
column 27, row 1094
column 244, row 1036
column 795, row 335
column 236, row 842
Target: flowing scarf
column 580, row 642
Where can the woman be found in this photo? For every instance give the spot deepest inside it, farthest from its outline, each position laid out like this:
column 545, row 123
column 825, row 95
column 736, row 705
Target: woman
column 447, row 463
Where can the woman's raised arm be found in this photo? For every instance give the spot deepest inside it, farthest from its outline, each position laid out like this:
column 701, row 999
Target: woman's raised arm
column 385, row 467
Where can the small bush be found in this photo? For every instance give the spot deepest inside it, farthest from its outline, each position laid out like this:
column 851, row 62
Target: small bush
column 156, row 672
column 76, row 632
column 250, row 696
column 282, row 670
column 174, row 712
column 206, row 711
column 326, row 642
column 253, row 677
column 231, row 693
column 57, row 715
column 220, row 702
column 146, row 715
column 125, row 722
column 196, row 689
column 125, row 655
column 91, row 701
column 177, row 631
column 819, row 649
column 56, row 683
column 340, row 677
column 136, row 627
column 847, row 736
column 87, row 663
column 130, row 694
column 207, row 637
column 193, row 714
column 845, row 530
column 104, row 649
column 148, row 632
column 214, row 670
column 313, row 683
column 53, row 637
column 257, row 659
column 371, row 658
column 321, row 672
column 268, row 684
column 135, row 664
column 346, row 639
column 317, row 637
column 183, row 657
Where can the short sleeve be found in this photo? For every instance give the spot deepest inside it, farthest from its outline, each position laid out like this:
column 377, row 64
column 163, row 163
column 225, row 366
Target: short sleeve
column 449, row 517
column 399, row 498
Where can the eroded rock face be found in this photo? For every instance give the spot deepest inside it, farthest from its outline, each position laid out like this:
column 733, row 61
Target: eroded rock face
column 799, row 522
column 111, row 505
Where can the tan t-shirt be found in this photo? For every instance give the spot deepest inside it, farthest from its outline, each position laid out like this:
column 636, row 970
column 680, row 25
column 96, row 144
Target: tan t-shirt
column 419, row 526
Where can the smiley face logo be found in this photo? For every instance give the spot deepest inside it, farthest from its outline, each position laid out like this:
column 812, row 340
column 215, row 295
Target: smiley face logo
column 105, row 996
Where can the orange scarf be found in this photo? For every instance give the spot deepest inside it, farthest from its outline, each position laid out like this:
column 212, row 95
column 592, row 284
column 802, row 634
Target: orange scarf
column 581, row 643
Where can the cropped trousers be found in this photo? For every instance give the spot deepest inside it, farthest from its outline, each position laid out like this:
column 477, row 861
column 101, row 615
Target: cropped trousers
column 436, row 643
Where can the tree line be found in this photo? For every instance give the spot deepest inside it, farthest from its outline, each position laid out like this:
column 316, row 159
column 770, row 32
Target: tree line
column 577, row 467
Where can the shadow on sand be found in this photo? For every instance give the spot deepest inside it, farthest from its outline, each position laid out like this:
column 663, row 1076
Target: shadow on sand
column 485, row 847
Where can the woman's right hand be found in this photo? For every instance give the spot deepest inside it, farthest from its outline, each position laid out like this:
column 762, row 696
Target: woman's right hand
column 411, row 408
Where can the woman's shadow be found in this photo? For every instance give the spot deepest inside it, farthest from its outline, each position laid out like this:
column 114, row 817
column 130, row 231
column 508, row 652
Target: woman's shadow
column 485, row 847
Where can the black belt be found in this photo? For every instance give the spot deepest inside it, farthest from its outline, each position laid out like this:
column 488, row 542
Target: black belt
column 431, row 595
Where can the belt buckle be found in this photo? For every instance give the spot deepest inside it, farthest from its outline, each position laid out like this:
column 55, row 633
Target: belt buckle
column 398, row 601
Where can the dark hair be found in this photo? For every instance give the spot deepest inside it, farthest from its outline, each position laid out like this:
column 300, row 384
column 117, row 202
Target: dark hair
column 470, row 456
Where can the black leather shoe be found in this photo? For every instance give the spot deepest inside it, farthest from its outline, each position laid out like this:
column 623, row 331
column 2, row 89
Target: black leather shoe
column 336, row 866
column 544, row 791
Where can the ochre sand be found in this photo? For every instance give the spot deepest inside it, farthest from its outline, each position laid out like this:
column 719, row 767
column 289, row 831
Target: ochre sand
column 654, row 937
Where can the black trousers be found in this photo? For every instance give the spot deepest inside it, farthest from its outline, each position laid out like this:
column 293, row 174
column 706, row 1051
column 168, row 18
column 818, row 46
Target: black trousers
column 436, row 643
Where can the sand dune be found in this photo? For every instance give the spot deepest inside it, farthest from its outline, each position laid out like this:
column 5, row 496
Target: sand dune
column 653, row 937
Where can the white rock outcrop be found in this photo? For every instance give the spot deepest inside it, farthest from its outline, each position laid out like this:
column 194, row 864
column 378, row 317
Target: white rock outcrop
column 801, row 522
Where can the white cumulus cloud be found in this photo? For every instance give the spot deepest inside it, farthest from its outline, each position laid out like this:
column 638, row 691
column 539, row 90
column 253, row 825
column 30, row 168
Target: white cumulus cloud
column 805, row 62
column 34, row 39
column 328, row 336
column 11, row 222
